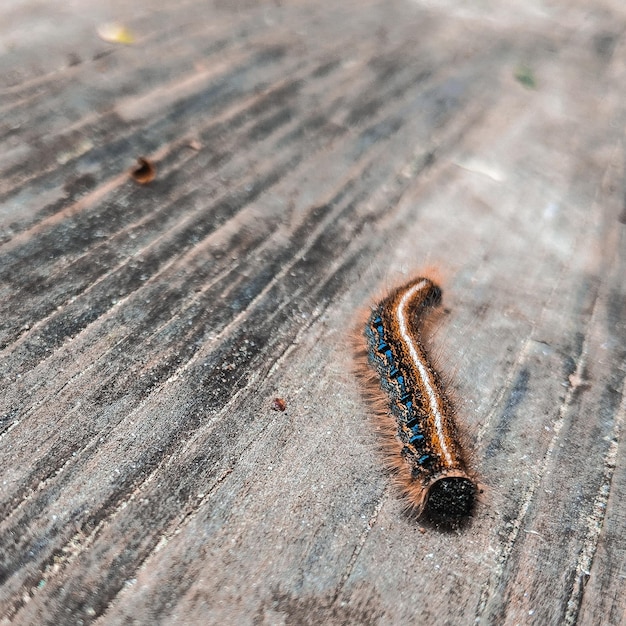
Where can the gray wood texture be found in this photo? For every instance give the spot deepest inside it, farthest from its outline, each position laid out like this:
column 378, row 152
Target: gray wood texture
column 308, row 156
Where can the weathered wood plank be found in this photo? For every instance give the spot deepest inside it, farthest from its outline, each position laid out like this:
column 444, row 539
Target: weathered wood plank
column 307, row 156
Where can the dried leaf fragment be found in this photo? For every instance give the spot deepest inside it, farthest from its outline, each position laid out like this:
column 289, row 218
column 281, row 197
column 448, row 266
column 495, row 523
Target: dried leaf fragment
column 113, row 32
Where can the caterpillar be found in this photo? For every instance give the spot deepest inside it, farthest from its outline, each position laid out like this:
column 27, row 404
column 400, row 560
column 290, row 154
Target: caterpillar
column 420, row 437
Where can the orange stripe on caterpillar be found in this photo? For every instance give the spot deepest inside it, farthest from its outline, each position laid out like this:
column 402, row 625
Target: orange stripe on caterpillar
column 421, row 441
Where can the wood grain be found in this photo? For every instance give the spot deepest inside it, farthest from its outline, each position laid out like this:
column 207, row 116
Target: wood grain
column 307, row 156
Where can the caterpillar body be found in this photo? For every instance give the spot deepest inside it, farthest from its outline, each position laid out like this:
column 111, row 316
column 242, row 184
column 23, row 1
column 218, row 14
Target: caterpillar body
column 421, row 440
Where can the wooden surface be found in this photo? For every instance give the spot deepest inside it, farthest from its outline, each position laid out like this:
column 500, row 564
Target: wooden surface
column 308, row 155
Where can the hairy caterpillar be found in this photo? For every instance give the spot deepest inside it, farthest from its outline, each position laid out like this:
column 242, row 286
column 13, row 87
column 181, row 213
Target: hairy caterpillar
column 421, row 441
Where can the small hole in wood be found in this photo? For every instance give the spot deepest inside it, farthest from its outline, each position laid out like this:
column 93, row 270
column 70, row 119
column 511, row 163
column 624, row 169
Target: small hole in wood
column 144, row 172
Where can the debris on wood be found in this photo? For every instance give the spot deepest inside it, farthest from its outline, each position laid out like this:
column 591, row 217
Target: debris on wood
column 144, row 172
column 278, row 404
column 113, row 32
